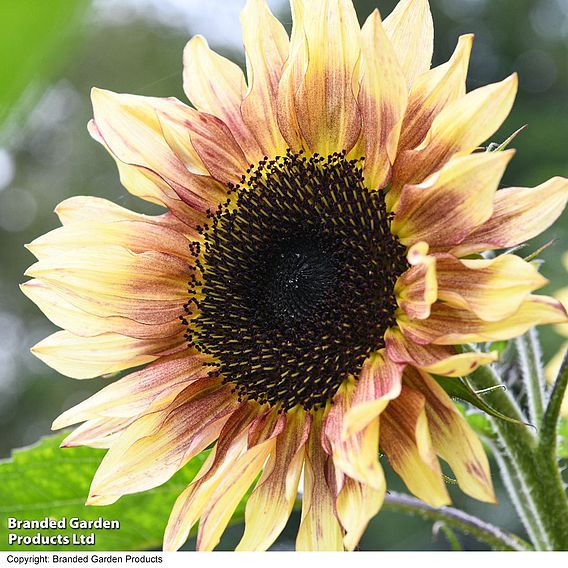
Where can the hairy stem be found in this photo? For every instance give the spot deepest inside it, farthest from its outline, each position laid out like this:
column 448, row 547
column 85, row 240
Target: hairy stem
column 530, row 357
column 495, row 537
column 528, row 466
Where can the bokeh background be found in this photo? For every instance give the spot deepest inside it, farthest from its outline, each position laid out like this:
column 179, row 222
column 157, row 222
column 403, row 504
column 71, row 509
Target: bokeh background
column 52, row 53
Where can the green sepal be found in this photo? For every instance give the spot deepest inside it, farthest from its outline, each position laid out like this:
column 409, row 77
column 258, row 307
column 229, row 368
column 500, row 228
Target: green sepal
column 458, row 387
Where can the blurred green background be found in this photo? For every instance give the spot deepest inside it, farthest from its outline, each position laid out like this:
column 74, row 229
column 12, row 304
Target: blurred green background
column 53, row 52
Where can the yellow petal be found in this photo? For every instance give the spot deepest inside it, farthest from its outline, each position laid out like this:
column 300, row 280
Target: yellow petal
column 459, row 128
column 454, row 326
column 357, row 503
column 436, row 359
column 519, row 214
column 411, row 31
column 405, row 439
column 319, row 528
column 216, row 86
column 431, row 92
column 88, row 357
column 464, row 188
column 453, row 439
column 492, row 289
column 156, row 445
column 417, row 289
column 270, row 504
column 325, row 102
column 357, row 455
column 266, row 46
column 379, row 381
column 382, row 100
column 226, row 497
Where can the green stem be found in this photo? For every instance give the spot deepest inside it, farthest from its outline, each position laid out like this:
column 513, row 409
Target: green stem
column 529, row 469
column 548, row 436
column 530, row 357
column 495, row 537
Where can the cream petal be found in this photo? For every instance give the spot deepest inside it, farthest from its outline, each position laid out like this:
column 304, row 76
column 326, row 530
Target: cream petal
column 319, row 529
column 455, row 326
column 417, row 289
column 492, row 289
column 155, row 386
column 411, row 31
column 382, row 101
column 436, row 359
column 326, row 105
column 88, row 357
column 156, row 445
column 453, row 439
column 266, row 47
column 519, row 214
column 405, row 439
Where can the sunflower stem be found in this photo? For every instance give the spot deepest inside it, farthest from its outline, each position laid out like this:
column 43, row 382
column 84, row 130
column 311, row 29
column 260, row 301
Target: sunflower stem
column 528, row 463
column 495, row 537
column 530, row 358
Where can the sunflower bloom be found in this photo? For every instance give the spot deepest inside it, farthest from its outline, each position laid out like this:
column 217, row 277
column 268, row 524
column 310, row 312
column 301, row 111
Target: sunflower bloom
column 318, row 260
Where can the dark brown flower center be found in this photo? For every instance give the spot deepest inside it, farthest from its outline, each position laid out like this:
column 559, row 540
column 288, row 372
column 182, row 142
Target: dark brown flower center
column 298, row 271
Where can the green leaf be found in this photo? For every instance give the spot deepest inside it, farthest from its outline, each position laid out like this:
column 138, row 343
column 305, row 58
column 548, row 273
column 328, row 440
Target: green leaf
column 33, row 42
column 460, row 388
column 47, row 481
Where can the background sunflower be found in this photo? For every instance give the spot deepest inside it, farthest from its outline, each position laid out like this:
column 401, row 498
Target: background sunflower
column 134, row 47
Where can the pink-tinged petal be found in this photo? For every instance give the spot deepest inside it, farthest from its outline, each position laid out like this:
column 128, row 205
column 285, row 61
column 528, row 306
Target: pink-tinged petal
column 268, row 424
column 266, row 47
column 455, row 326
column 519, row 214
column 405, row 439
column 417, row 289
column 155, row 386
column 325, row 101
column 382, row 101
column 157, row 445
column 320, row 529
column 88, row 357
column 411, row 31
column 459, row 128
column 445, row 208
column 357, row 455
column 192, row 502
column 431, row 92
column 492, row 289
column 270, row 504
column 176, row 142
column 437, row 359
column 186, row 205
column 453, row 439
column 114, row 270
column 81, row 209
column 60, row 309
column 135, row 235
column 357, row 503
column 292, row 75
column 97, row 433
column 379, row 381
column 216, row 86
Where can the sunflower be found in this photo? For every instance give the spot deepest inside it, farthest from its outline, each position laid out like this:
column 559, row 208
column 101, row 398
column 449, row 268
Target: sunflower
column 318, row 260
